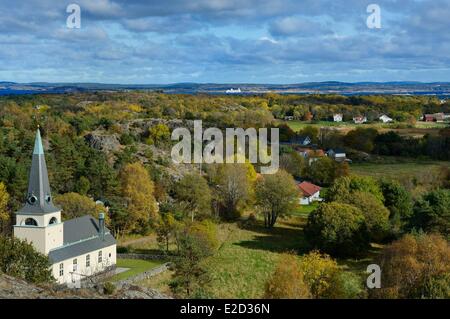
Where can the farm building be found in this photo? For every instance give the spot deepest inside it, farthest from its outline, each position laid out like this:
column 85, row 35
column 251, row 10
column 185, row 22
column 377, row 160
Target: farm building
column 359, row 119
column 309, row 193
column 337, row 117
column 337, row 154
column 385, row 119
column 436, row 117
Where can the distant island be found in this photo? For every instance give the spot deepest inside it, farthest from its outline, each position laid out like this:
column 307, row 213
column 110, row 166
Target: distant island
column 441, row 89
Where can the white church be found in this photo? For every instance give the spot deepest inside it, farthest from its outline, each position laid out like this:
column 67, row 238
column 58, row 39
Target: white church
column 77, row 248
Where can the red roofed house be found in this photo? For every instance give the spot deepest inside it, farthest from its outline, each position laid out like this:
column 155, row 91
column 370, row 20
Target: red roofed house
column 309, row 193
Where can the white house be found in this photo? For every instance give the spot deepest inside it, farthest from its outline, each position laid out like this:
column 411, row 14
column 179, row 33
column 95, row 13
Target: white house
column 337, row 117
column 309, row 193
column 360, row 119
column 385, row 119
column 76, row 248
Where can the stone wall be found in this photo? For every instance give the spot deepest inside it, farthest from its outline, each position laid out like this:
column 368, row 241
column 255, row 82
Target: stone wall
column 142, row 256
column 142, row 276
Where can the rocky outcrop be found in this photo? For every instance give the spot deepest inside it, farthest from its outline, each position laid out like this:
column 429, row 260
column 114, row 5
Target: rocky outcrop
column 138, row 292
column 103, row 141
column 13, row 288
column 140, row 126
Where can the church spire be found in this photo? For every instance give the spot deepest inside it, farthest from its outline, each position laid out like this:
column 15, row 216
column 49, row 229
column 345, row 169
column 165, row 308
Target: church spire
column 39, row 199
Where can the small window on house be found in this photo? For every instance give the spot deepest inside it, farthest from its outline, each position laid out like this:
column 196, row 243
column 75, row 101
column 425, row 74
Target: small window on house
column 30, row 222
column 100, row 257
column 75, row 262
column 53, row 220
column 109, row 255
column 88, row 260
column 61, row 269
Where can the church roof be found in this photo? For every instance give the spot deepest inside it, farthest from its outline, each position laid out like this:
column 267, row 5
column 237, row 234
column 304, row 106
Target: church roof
column 81, row 236
column 39, row 199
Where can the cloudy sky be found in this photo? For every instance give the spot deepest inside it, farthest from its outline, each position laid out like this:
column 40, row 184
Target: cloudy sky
column 224, row 41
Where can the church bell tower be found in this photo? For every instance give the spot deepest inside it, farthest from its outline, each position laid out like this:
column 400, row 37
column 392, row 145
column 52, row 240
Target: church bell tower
column 39, row 221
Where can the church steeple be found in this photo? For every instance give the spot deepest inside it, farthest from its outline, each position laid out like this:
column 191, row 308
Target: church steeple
column 39, row 199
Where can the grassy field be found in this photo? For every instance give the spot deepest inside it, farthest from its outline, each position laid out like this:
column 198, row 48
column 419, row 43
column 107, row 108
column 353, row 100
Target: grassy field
column 305, row 210
column 136, row 266
column 397, row 171
column 247, row 258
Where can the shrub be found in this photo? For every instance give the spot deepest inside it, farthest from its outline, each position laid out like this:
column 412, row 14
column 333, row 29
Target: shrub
column 123, row 250
column 109, row 288
column 287, row 280
column 19, row 259
column 326, row 279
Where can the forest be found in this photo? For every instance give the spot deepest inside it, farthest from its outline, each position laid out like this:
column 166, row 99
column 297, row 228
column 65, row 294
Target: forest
column 110, row 152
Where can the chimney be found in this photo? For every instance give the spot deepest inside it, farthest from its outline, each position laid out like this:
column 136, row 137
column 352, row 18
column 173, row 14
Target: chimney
column 101, row 225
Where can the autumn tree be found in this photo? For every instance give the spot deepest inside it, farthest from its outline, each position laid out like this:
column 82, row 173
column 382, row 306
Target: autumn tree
column 4, row 213
column 137, row 190
column 416, row 266
column 74, row 205
column 158, row 134
column 194, row 194
column 276, row 195
column 308, row 116
column 338, row 229
column 287, row 280
column 233, row 185
column 320, row 273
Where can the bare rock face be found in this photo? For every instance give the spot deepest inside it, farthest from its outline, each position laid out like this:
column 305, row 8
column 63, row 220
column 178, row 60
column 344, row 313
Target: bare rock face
column 137, row 292
column 103, row 142
column 13, row 288
column 140, row 126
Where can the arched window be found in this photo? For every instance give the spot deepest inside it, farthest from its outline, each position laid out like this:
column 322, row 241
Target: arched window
column 53, row 220
column 30, row 222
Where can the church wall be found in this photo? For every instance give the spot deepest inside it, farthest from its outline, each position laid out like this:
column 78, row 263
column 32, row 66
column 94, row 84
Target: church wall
column 33, row 234
column 108, row 259
column 44, row 237
column 54, row 237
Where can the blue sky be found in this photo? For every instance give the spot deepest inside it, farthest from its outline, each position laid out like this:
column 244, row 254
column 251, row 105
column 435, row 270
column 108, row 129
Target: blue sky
column 224, row 41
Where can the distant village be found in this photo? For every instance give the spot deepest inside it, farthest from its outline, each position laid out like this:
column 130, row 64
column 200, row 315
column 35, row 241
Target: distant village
column 383, row 118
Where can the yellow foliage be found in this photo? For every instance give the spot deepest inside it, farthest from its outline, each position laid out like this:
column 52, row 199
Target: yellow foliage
column 137, row 188
column 287, row 281
column 135, row 108
column 4, row 198
column 320, row 272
